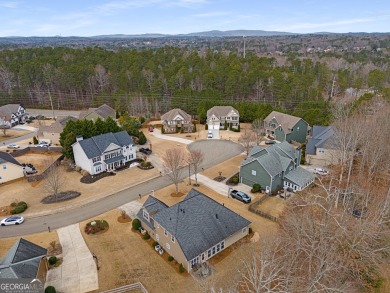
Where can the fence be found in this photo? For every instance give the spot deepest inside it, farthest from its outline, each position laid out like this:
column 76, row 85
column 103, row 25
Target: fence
column 126, row 288
column 253, row 209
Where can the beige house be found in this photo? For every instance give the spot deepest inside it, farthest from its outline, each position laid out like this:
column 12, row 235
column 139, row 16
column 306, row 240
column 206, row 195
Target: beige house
column 193, row 230
column 177, row 118
column 103, row 112
column 52, row 132
column 10, row 168
column 320, row 147
column 216, row 117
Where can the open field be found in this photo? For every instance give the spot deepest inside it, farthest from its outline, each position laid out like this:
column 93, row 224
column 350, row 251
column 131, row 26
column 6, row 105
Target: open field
column 12, row 133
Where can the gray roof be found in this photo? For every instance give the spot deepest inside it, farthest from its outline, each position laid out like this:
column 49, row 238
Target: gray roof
column 8, row 158
column 169, row 116
column 199, row 222
column 7, row 110
column 321, row 137
column 22, row 260
column 58, row 126
column 220, row 111
column 96, row 145
column 152, row 206
column 104, row 111
column 271, row 163
column 256, row 149
column 286, row 121
column 299, row 176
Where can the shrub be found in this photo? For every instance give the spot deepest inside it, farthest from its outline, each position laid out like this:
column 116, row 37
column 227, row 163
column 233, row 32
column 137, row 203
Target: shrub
column 235, row 179
column 14, row 204
column 50, row 289
column 78, row 168
column 154, row 244
column 142, row 138
column 146, row 236
column 194, row 128
column 84, row 173
column 20, row 208
column 250, row 230
column 21, row 203
column 52, row 260
column 181, row 268
column 35, row 140
column 256, row 188
column 136, row 224
column 170, row 258
column 141, row 119
column 225, row 126
column 162, row 129
column 145, row 164
column 206, row 126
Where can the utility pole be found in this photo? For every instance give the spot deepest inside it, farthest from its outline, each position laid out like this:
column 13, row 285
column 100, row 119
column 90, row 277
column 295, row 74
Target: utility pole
column 51, row 103
column 244, row 45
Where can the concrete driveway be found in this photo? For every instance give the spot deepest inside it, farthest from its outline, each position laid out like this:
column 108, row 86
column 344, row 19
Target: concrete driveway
column 215, row 133
column 78, row 272
column 157, row 133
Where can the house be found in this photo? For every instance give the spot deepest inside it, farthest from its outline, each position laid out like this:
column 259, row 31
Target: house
column 10, row 168
column 275, row 167
column 103, row 112
column 52, row 132
column 320, row 147
column 216, row 117
column 177, row 118
column 193, row 230
column 284, row 127
column 12, row 114
column 25, row 260
column 105, row 152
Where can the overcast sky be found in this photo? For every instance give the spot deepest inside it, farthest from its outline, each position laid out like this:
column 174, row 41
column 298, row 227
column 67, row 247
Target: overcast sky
column 98, row 17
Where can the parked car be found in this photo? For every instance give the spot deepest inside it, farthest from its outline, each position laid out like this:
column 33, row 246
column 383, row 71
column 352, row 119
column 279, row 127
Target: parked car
column 241, row 196
column 13, row 220
column 270, row 142
column 320, row 171
column 13, row 146
column 151, row 129
column 210, row 134
column 146, row 151
column 43, row 144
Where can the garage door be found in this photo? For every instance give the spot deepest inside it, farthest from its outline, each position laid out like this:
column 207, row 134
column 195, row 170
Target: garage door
column 215, row 126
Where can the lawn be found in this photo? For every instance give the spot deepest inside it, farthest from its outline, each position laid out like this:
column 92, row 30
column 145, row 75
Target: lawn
column 12, row 133
column 40, row 160
column 228, row 168
column 273, row 205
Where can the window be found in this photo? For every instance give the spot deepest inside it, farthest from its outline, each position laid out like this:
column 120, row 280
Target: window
column 209, row 253
column 202, row 256
column 297, row 128
column 218, row 247
column 166, row 233
column 157, row 237
column 146, row 215
column 4, row 167
column 213, row 250
column 96, row 159
column 98, row 169
column 172, row 238
column 222, row 244
column 167, row 246
column 254, row 172
column 244, row 230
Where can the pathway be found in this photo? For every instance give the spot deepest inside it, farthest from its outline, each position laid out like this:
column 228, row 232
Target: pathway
column 78, row 272
column 157, row 133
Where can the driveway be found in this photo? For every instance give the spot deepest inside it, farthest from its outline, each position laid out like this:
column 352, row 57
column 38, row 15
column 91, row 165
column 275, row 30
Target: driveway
column 215, row 133
column 131, row 208
column 157, row 133
column 78, row 272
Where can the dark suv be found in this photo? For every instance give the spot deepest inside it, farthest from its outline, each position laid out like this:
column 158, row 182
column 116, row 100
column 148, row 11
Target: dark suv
column 241, row 196
column 146, row 151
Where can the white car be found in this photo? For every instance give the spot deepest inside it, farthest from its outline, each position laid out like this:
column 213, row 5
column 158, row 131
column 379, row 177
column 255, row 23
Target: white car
column 13, row 146
column 13, row 220
column 320, row 171
column 210, row 134
column 43, row 144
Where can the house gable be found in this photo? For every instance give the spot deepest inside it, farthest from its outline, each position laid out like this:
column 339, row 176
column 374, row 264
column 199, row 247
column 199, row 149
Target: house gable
column 111, row 147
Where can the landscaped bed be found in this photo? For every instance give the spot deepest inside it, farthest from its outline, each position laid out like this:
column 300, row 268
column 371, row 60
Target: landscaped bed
column 62, row 196
column 96, row 227
column 88, row 179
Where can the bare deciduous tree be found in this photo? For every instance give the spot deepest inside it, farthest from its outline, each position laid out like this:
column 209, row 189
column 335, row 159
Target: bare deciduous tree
column 248, row 140
column 54, row 179
column 173, row 161
column 195, row 158
column 258, row 129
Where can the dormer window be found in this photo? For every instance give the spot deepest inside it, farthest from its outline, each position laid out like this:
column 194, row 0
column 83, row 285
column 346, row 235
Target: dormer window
column 146, row 214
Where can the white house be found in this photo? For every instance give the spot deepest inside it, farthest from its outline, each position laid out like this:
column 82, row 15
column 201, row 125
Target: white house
column 216, row 117
column 12, row 114
column 104, row 152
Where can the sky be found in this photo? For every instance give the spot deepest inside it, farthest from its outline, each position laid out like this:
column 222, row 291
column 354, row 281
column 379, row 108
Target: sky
column 102, row 17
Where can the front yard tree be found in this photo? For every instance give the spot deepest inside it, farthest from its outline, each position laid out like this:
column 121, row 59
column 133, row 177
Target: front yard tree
column 195, row 158
column 54, row 179
column 248, row 140
column 4, row 128
column 173, row 161
column 258, row 129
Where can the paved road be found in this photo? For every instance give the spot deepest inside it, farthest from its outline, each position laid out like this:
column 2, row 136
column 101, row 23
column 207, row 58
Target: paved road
column 217, row 152
column 49, row 113
column 17, row 139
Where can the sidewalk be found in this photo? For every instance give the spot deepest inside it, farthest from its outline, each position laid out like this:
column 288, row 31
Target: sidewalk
column 78, row 272
column 157, row 133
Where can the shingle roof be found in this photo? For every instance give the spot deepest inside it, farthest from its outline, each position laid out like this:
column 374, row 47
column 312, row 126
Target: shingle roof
column 152, row 206
column 256, row 149
column 96, row 145
column 6, row 157
column 220, row 111
column 287, row 122
column 103, row 111
column 169, row 116
column 198, row 223
column 320, row 138
column 271, row 163
column 56, row 127
column 300, row 176
column 7, row 110
column 22, row 260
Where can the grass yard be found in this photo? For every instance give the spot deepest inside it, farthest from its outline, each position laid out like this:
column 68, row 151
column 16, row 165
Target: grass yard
column 40, row 160
column 228, row 168
column 273, row 205
column 12, row 133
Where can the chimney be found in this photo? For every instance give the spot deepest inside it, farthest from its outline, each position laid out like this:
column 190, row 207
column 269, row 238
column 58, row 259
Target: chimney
column 79, row 138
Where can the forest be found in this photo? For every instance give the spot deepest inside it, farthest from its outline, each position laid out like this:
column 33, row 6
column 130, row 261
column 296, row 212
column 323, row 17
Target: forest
column 150, row 82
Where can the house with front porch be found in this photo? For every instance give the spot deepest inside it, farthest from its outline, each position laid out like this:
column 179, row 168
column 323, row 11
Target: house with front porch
column 52, row 132
column 284, row 127
column 104, row 152
column 275, row 167
column 216, row 117
column 12, row 114
column 176, row 119
column 193, row 230
column 102, row 112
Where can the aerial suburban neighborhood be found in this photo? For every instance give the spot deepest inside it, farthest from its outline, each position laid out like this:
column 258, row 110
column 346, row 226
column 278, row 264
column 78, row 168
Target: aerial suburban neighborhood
column 151, row 146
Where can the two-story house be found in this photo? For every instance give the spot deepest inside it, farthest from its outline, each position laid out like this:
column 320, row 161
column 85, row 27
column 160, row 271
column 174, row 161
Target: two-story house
column 284, row 127
column 216, row 117
column 103, row 112
column 275, row 167
column 320, row 148
column 104, row 152
column 193, row 230
column 177, row 118
column 10, row 168
column 12, row 114
column 52, row 132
